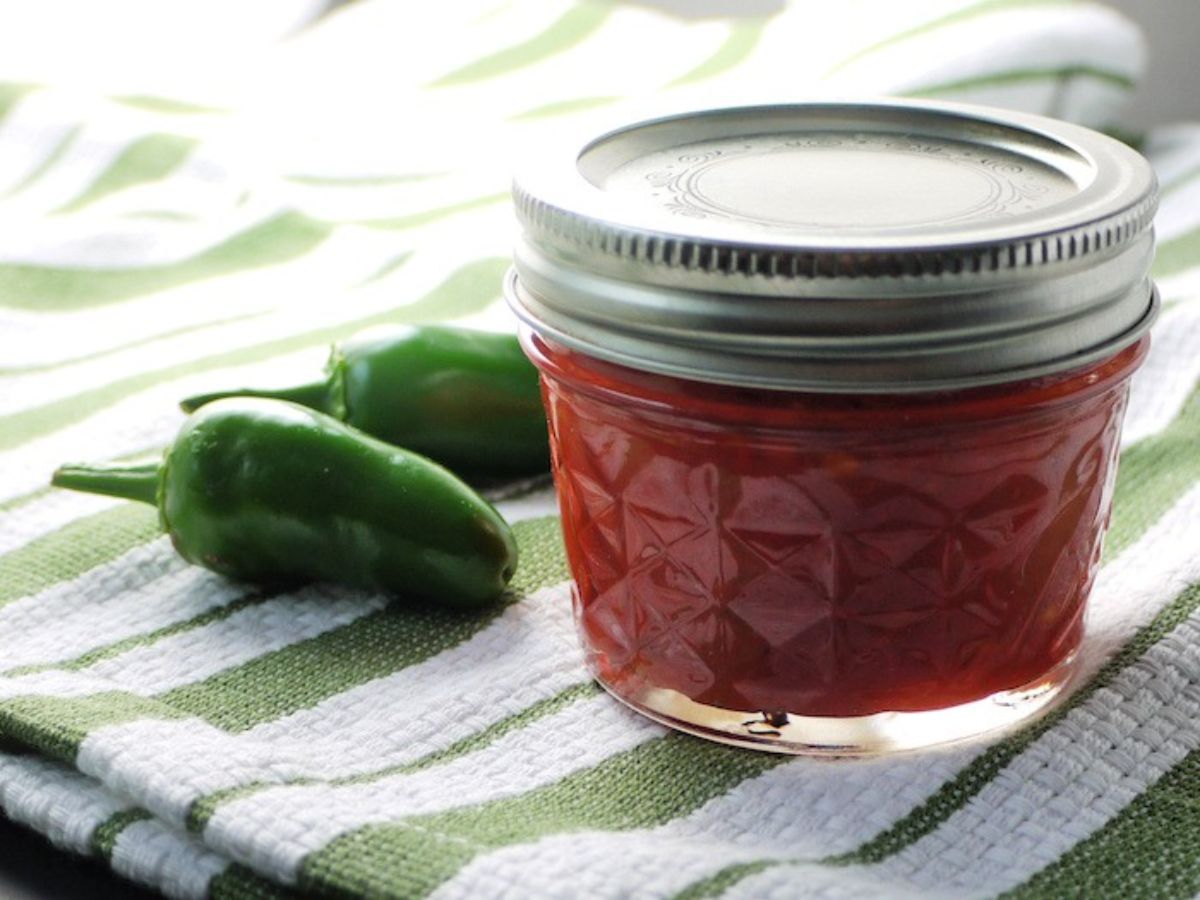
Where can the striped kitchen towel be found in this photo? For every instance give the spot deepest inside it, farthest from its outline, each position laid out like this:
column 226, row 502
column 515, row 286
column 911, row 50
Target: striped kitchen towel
column 207, row 195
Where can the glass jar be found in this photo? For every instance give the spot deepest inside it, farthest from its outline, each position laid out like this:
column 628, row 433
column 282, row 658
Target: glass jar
column 835, row 394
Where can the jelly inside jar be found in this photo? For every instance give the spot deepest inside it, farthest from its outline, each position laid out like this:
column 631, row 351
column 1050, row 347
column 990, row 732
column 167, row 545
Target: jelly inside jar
column 830, row 555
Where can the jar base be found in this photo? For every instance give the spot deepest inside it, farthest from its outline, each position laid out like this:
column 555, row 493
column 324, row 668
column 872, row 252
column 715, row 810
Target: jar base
column 879, row 734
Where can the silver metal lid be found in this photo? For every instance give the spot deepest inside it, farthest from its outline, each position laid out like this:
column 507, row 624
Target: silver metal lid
column 883, row 246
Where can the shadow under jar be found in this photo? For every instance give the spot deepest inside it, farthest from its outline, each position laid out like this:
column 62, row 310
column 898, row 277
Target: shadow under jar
column 835, row 393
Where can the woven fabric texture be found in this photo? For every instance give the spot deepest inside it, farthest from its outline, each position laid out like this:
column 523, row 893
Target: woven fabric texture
column 210, row 198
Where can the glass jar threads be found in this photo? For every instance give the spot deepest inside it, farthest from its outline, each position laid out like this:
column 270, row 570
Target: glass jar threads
column 834, row 395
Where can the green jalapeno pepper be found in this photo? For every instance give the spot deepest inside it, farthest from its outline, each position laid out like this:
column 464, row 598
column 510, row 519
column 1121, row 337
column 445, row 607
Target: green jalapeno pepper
column 467, row 399
column 268, row 491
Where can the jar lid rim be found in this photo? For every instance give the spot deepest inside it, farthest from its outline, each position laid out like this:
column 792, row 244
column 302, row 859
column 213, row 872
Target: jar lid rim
column 1086, row 193
column 889, row 245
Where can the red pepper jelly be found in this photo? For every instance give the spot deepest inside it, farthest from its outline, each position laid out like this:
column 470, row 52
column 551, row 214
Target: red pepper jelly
column 835, row 394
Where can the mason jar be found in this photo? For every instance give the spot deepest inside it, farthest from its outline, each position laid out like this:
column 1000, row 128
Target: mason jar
column 835, row 393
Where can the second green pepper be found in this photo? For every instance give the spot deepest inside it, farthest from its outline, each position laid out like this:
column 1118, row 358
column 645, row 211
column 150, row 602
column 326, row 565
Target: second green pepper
column 467, row 399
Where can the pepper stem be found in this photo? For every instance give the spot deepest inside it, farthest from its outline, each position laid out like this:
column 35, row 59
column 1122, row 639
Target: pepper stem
column 138, row 482
column 314, row 395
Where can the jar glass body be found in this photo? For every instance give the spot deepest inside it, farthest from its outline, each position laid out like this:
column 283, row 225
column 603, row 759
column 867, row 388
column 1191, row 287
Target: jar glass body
column 831, row 573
